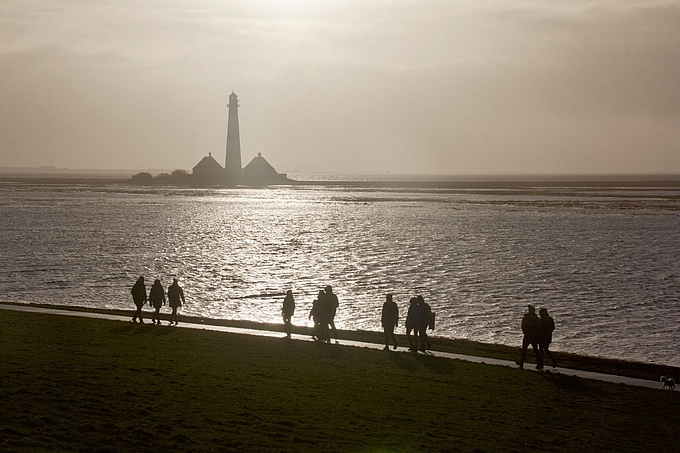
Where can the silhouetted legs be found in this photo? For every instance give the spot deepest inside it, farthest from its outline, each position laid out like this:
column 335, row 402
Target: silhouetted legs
column 317, row 330
column 326, row 331
column 321, row 331
column 544, row 350
column 537, row 352
column 287, row 325
column 156, row 318
column 390, row 337
column 173, row 316
column 412, row 341
column 138, row 314
column 331, row 328
column 424, row 340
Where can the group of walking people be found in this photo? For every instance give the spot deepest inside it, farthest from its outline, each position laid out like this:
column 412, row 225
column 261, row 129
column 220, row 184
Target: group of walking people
column 323, row 311
column 418, row 319
column 537, row 330
column 156, row 299
column 537, row 333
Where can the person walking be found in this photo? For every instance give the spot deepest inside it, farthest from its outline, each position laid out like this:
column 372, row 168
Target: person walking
column 390, row 320
column 316, row 313
column 530, row 327
column 157, row 300
column 546, row 326
column 414, row 318
column 138, row 292
column 331, row 305
column 422, row 329
column 287, row 312
column 175, row 299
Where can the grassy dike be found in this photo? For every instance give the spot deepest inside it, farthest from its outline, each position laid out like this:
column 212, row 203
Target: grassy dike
column 76, row 384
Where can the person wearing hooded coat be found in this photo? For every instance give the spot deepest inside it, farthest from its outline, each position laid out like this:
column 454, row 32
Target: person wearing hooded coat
column 157, row 300
column 138, row 292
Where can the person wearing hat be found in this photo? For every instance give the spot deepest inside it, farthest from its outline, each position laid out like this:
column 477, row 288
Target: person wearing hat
column 530, row 328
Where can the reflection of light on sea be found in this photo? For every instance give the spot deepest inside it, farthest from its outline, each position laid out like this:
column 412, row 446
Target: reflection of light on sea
column 479, row 257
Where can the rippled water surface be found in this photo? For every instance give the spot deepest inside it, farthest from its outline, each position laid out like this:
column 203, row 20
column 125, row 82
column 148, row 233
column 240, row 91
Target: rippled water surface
column 603, row 261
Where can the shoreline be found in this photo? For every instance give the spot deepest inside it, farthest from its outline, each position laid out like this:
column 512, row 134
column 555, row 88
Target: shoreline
column 633, row 369
column 471, row 183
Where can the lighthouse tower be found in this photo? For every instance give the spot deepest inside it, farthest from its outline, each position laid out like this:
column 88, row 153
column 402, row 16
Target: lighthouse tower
column 232, row 163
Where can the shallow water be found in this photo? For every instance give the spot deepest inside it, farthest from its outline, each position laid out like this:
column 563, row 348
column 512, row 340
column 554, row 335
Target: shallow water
column 603, row 261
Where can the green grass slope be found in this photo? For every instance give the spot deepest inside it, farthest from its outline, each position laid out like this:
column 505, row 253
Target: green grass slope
column 74, row 384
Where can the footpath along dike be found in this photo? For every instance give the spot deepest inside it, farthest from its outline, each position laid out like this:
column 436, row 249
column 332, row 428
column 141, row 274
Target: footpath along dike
column 613, row 378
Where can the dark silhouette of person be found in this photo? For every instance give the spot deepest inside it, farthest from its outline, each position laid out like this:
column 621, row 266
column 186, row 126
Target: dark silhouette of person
column 138, row 292
column 530, row 328
column 390, row 320
column 175, row 299
column 422, row 329
column 331, row 304
column 287, row 311
column 414, row 319
column 546, row 326
column 157, row 300
column 317, row 314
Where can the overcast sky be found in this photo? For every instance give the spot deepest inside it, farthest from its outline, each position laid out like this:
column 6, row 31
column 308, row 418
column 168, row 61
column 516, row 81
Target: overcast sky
column 369, row 86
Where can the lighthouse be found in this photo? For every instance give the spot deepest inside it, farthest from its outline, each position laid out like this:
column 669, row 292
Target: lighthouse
column 258, row 172
column 232, row 163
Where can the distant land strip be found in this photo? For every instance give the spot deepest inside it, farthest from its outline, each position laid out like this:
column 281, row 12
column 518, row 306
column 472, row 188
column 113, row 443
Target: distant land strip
column 639, row 182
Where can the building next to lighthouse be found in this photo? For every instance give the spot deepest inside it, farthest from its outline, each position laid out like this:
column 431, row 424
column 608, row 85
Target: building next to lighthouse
column 208, row 171
column 258, row 172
